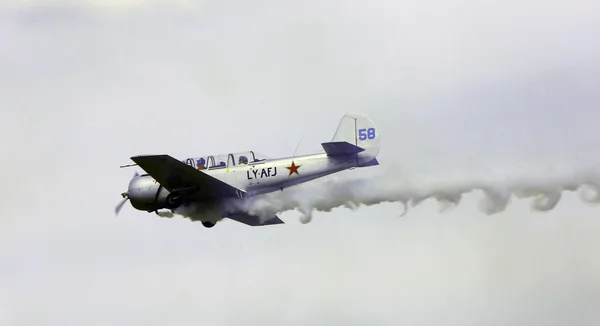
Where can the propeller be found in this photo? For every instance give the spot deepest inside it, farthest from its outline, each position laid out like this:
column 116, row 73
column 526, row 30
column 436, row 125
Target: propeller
column 125, row 196
column 120, row 205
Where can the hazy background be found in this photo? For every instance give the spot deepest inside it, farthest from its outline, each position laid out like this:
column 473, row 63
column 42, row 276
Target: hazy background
column 456, row 88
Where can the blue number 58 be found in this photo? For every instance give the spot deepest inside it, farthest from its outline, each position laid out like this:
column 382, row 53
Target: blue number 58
column 364, row 134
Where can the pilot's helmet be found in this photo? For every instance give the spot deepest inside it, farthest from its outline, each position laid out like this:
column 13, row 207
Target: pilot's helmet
column 201, row 161
column 243, row 160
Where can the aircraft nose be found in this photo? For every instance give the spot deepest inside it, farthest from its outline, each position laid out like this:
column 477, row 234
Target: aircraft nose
column 134, row 183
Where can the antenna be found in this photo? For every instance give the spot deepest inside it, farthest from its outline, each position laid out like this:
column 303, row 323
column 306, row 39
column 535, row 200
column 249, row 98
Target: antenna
column 297, row 146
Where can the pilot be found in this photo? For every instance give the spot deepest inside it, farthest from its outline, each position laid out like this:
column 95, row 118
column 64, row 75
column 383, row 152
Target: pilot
column 243, row 160
column 201, row 164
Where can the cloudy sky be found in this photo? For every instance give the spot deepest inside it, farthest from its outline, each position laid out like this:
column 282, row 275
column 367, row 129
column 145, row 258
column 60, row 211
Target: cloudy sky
column 459, row 90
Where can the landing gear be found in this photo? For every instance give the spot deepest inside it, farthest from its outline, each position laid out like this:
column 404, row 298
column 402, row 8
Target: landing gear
column 208, row 224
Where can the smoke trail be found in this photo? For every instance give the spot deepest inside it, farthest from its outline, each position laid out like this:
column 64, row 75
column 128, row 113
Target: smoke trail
column 326, row 194
column 193, row 212
column 544, row 193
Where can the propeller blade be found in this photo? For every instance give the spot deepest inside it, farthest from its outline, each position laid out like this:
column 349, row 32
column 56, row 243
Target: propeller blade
column 120, row 205
column 125, row 197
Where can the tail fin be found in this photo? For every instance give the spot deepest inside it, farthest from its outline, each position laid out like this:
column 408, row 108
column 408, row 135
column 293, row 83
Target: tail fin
column 360, row 131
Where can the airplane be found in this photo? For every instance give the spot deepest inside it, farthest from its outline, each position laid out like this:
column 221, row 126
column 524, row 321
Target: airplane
column 212, row 182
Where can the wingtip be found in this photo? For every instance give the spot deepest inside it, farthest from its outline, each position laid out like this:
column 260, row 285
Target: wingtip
column 274, row 221
column 253, row 220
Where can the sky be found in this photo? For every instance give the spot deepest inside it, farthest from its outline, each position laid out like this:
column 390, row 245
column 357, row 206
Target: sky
column 463, row 93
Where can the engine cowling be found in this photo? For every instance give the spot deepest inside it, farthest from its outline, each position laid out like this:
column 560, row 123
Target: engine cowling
column 148, row 195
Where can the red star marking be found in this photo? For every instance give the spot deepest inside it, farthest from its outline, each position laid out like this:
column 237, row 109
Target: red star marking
column 293, row 168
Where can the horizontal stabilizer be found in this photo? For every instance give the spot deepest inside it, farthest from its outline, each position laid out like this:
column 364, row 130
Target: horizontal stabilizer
column 253, row 220
column 336, row 148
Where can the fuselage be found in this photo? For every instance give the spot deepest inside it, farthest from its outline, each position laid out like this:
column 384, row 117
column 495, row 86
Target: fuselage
column 253, row 178
column 262, row 177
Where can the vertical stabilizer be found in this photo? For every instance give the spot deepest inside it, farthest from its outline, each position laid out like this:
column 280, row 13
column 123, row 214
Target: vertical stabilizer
column 360, row 131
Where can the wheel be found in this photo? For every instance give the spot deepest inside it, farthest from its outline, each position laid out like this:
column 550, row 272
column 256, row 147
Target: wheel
column 208, row 224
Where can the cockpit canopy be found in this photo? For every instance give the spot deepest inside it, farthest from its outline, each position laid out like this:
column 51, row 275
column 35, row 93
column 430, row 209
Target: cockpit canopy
column 212, row 162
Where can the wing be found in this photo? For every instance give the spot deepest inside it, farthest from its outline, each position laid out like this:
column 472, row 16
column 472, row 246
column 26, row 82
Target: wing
column 253, row 220
column 173, row 174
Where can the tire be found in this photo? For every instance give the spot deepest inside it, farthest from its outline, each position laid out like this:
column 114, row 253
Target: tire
column 208, row 224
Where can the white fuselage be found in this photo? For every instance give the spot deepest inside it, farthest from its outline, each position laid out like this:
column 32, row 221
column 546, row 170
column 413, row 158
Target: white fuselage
column 276, row 174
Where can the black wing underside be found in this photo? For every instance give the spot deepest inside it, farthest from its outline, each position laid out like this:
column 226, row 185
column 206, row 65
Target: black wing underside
column 175, row 175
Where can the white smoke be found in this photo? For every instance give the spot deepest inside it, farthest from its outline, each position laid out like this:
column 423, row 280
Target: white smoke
column 323, row 196
column 194, row 212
